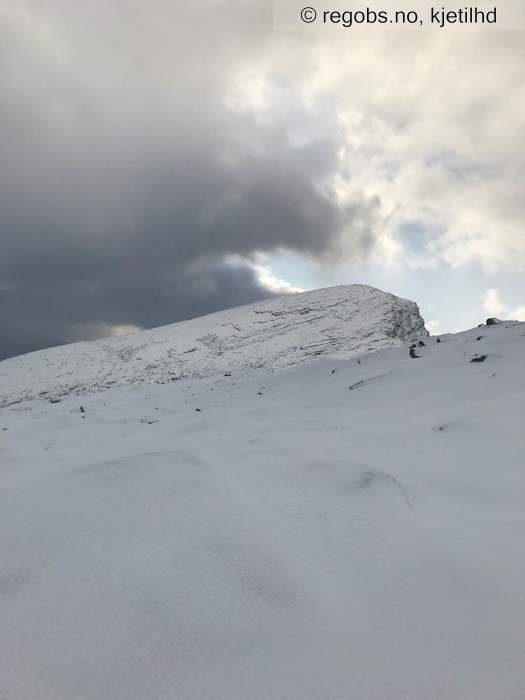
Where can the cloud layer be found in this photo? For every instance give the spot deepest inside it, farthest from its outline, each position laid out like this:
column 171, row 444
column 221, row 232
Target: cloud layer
column 144, row 145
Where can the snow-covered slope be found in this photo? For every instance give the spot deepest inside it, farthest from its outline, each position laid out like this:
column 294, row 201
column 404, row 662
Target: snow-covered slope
column 349, row 530
column 290, row 330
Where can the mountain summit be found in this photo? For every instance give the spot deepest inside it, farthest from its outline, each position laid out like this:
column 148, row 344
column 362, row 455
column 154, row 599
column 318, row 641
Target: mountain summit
column 341, row 322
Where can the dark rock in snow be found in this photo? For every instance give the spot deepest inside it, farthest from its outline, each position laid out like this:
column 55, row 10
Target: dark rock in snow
column 356, row 385
column 420, row 344
column 480, row 358
column 492, row 321
column 412, row 354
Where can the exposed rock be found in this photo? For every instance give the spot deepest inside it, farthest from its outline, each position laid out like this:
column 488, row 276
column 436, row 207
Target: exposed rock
column 479, row 358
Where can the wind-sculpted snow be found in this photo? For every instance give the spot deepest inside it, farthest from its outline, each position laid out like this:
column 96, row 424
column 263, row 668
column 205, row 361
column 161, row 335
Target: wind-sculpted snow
column 347, row 530
column 290, row 330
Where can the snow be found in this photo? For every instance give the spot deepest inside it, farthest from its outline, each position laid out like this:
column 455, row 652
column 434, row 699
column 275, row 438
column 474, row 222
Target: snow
column 338, row 321
column 295, row 539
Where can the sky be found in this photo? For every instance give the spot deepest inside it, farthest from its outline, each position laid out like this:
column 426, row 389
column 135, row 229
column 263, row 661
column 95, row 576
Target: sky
column 163, row 160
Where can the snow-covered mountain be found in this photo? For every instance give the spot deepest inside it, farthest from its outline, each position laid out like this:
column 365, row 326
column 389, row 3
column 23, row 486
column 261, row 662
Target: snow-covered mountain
column 290, row 330
column 347, row 530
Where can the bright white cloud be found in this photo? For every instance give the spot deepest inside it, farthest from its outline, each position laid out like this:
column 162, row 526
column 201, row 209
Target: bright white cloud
column 94, row 331
column 492, row 302
column 274, row 284
column 125, row 329
column 519, row 313
column 427, row 126
column 434, row 327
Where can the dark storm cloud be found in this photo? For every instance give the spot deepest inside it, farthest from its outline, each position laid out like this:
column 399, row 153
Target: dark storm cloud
column 38, row 316
column 126, row 179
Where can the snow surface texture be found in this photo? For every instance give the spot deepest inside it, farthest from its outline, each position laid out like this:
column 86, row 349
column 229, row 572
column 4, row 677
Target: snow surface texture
column 291, row 330
column 348, row 530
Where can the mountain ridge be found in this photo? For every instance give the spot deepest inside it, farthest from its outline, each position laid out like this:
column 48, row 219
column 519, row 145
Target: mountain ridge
column 285, row 331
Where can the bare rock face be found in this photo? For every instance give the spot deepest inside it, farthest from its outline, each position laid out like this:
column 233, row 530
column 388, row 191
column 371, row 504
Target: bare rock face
column 291, row 330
